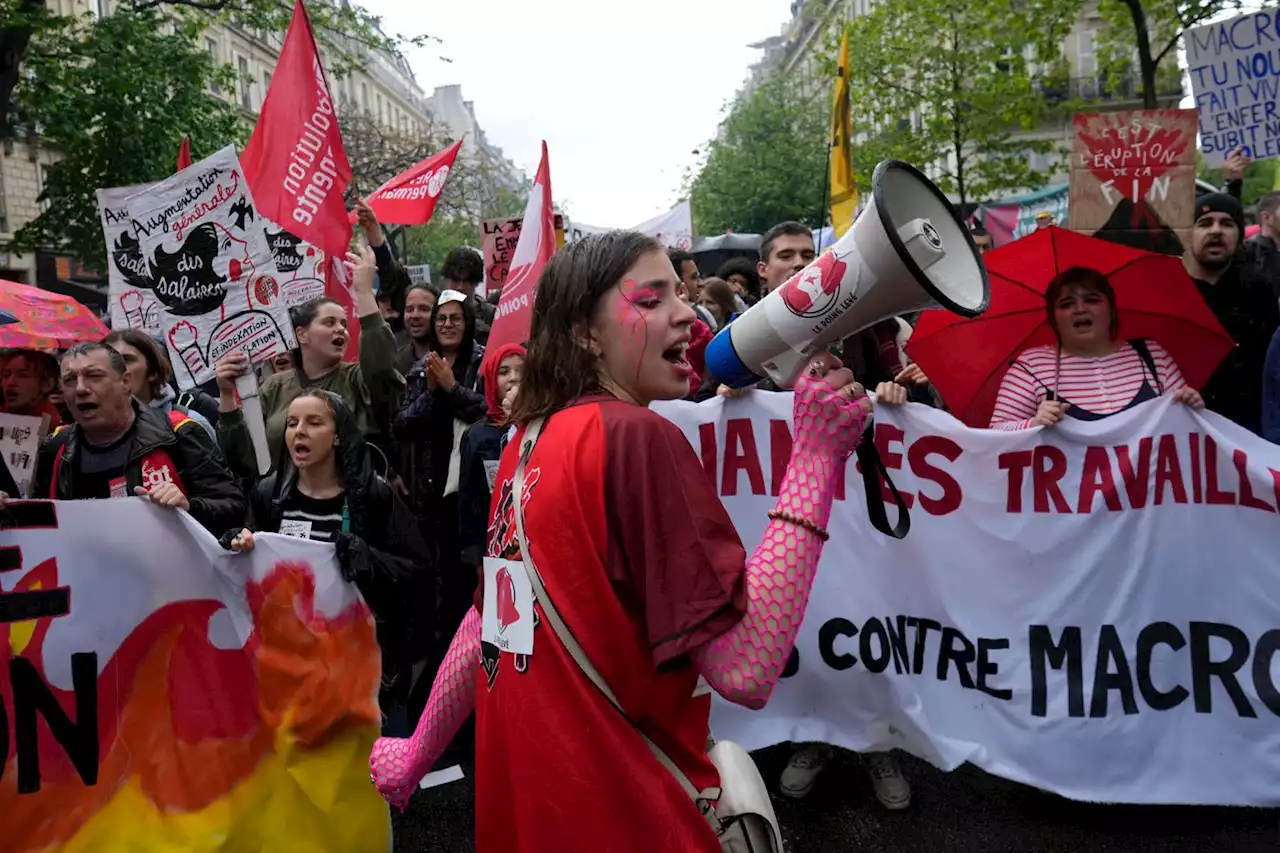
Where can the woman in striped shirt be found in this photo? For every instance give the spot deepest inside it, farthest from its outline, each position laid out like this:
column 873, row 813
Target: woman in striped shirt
column 1090, row 374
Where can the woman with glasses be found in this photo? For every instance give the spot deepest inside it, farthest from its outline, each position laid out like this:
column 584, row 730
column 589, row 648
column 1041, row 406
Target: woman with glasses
column 443, row 398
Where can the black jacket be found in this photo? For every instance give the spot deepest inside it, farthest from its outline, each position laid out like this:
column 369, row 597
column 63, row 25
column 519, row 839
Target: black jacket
column 382, row 554
column 481, row 443
column 216, row 502
column 425, row 422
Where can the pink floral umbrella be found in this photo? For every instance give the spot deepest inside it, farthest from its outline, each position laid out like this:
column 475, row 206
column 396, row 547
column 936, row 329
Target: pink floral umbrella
column 45, row 320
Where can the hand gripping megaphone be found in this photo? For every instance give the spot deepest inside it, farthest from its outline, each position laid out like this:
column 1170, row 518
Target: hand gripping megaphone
column 906, row 252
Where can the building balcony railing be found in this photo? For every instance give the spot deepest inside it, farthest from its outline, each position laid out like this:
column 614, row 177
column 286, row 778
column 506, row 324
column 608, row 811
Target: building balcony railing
column 1112, row 89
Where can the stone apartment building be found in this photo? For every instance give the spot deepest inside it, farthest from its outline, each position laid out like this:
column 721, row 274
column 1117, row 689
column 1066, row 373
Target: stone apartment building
column 384, row 88
column 794, row 51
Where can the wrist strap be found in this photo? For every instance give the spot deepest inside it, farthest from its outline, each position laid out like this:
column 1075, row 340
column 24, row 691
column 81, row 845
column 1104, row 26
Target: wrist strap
column 703, row 799
column 873, row 472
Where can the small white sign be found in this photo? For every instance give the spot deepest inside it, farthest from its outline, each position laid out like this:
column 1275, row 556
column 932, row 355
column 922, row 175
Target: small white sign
column 295, row 527
column 20, row 438
column 507, row 620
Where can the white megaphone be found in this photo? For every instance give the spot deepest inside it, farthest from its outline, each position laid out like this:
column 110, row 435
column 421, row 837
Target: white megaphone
column 906, row 252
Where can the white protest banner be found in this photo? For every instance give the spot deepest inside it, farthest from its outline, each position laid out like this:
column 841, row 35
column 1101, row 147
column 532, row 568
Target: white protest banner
column 130, row 299
column 300, row 264
column 166, row 694
column 1235, row 76
column 1090, row 609
column 673, row 229
column 20, row 437
column 212, row 268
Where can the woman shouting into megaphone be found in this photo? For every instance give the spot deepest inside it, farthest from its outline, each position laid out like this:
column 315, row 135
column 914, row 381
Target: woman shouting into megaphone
column 633, row 577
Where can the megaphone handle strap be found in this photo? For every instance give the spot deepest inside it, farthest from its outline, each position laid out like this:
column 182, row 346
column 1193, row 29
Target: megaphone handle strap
column 873, row 471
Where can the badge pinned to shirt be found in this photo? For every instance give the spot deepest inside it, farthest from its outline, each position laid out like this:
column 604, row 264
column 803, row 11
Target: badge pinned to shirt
column 295, row 527
column 491, row 471
column 507, row 618
column 118, row 488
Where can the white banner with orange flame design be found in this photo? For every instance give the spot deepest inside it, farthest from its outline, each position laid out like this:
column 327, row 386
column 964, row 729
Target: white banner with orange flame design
column 1090, row 609
column 160, row 694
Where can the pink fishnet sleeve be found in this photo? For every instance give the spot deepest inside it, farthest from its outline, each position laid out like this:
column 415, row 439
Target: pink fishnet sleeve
column 397, row 765
column 745, row 663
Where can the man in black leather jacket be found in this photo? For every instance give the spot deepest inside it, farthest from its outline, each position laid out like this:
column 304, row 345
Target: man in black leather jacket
column 119, row 448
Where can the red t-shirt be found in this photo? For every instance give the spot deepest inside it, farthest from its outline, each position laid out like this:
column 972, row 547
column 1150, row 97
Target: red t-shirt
column 644, row 565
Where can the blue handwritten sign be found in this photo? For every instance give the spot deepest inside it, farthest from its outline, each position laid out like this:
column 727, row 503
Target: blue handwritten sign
column 1235, row 75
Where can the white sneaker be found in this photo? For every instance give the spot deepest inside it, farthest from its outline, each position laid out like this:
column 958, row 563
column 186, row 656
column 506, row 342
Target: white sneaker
column 803, row 769
column 891, row 787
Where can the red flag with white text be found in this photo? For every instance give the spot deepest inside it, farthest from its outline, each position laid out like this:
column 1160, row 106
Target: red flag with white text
column 295, row 163
column 410, row 197
column 535, row 247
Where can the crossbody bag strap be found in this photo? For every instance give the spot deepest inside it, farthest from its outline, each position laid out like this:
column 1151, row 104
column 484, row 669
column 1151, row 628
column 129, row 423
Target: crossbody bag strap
column 701, row 798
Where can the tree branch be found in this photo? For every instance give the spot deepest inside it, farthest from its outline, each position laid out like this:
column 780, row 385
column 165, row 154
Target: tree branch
column 202, row 5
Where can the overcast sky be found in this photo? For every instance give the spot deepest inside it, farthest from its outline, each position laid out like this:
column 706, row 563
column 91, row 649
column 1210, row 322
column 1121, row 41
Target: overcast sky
column 622, row 92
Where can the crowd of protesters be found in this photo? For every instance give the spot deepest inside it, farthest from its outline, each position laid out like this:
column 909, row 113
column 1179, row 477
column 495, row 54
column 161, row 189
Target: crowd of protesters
column 397, row 459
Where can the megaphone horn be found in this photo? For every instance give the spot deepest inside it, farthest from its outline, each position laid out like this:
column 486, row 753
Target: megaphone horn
column 907, row 251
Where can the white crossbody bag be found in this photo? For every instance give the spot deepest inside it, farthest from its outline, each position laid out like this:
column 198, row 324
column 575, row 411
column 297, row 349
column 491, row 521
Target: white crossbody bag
column 740, row 810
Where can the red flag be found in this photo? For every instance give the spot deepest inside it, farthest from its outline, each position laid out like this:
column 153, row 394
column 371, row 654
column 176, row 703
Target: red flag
column 410, row 197
column 294, row 162
column 339, row 287
column 184, row 153
column 535, row 247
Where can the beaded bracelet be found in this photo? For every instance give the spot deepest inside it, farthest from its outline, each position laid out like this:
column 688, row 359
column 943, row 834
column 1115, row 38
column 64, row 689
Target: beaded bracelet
column 783, row 515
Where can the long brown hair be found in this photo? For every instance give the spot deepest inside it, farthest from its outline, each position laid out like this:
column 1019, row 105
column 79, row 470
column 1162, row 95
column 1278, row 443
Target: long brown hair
column 559, row 367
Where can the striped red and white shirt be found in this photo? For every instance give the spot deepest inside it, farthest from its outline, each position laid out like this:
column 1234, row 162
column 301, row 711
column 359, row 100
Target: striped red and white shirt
column 1102, row 385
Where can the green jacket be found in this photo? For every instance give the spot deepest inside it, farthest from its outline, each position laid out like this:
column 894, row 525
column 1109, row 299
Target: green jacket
column 371, row 386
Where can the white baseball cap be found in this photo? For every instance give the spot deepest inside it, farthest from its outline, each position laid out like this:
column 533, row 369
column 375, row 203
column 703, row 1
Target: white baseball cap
column 451, row 296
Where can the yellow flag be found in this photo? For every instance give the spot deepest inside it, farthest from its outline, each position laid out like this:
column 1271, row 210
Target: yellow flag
column 844, row 193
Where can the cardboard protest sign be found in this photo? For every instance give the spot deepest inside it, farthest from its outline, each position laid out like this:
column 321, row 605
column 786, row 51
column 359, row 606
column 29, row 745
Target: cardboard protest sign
column 20, row 437
column 212, row 268
column 1235, row 75
column 1133, row 177
column 130, row 299
column 500, row 238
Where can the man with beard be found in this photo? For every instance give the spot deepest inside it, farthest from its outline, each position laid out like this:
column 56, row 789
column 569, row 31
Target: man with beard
column 1243, row 301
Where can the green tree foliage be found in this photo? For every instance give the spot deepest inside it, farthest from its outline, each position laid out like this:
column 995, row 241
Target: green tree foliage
column 768, row 164
column 956, row 86
column 114, row 98
column 1140, row 40
column 346, row 33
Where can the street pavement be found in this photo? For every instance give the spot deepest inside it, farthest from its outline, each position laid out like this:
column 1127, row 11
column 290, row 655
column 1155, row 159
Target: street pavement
column 967, row 811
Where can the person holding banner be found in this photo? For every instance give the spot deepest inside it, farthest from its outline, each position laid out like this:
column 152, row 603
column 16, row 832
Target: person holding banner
column 327, row 490
column 320, row 326
column 642, row 561
column 1090, row 374
column 119, row 447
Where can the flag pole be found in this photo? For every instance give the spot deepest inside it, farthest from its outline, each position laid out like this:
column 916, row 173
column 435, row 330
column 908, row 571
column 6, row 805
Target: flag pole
column 826, row 190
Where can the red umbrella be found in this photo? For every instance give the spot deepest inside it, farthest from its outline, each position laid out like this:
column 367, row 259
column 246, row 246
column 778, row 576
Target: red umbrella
column 45, row 320
column 966, row 359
